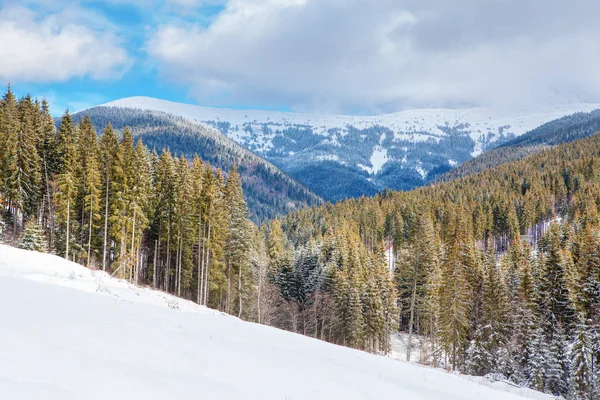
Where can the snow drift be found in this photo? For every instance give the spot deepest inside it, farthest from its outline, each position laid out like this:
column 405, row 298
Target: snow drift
column 71, row 333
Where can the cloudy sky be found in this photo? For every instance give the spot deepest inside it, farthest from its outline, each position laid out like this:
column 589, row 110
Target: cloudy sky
column 342, row 56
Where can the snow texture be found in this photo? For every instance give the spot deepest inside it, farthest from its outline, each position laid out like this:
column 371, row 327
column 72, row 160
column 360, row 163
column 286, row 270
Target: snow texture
column 72, row 333
column 415, row 125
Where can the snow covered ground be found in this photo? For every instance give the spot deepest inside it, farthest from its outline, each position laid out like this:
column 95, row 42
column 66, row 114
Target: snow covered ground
column 67, row 332
column 400, row 345
column 414, row 125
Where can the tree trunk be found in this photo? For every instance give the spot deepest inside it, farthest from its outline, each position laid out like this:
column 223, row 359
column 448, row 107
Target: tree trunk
column 132, row 254
column 207, row 268
column 180, row 262
column 90, row 231
column 228, row 286
column 68, row 226
column 240, row 292
column 168, row 256
column 105, row 223
column 413, row 297
column 258, row 294
column 200, row 276
column 154, row 274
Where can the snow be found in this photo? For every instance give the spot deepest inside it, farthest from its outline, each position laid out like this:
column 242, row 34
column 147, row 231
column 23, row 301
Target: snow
column 72, row 333
column 400, row 344
column 412, row 125
column 421, row 171
column 378, row 159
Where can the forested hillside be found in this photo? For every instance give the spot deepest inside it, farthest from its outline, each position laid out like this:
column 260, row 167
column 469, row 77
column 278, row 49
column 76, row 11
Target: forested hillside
column 562, row 130
column 269, row 192
column 341, row 156
column 497, row 272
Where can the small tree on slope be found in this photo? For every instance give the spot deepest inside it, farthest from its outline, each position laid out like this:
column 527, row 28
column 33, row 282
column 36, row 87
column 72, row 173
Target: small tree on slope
column 33, row 238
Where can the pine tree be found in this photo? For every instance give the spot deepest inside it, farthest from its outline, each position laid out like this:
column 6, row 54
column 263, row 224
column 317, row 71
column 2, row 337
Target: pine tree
column 33, row 238
column 558, row 365
column 554, row 302
column 412, row 271
column 9, row 127
column 48, row 154
column 275, row 248
column 454, row 292
column 90, row 185
column 109, row 146
column 237, row 240
column 66, row 184
column 582, row 379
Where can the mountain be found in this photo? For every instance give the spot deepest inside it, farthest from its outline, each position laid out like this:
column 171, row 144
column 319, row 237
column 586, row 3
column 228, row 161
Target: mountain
column 340, row 156
column 72, row 333
column 563, row 130
column 269, row 192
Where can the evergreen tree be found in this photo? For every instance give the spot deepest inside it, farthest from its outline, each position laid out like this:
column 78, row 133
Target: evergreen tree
column 33, row 238
column 109, row 146
column 237, row 240
column 90, row 185
column 582, row 379
column 454, row 292
column 66, row 184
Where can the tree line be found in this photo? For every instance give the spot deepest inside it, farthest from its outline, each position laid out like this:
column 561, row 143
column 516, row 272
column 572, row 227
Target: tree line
column 495, row 273
column 179, row 225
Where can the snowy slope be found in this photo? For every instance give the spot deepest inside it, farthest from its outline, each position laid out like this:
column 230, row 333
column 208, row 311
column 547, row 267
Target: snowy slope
column 343, row 156
column 418, row 125
column 71, row 333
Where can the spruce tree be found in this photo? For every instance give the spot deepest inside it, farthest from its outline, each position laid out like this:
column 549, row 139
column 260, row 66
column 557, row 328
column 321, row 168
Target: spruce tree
column 237, row 240
column 582, row 377
column 66, row 184
column 90, row 185
column 109, row 146
column 33, row 238
column 454, row 291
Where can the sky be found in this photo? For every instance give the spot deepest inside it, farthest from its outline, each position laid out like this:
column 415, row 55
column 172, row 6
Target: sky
column 323, row 56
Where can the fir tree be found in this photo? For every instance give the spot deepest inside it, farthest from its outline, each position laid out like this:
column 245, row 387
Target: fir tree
column 237, row 240
column 582, row 379
column 109, row 146
column 33, row 238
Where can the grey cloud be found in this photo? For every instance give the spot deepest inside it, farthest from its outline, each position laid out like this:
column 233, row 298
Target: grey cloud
column 385, row 55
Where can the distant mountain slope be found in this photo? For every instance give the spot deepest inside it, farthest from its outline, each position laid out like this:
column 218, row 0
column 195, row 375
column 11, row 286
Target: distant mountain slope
column 347, row 156
column 269, row 191
column 563, row 130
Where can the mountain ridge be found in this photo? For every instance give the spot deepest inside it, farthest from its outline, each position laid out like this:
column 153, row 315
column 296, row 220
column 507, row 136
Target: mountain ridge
column 340, row 156
column 269, row 191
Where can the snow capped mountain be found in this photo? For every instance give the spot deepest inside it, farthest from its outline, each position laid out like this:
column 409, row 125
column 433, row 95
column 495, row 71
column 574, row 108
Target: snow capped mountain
column 343, row 156
column 72, row 333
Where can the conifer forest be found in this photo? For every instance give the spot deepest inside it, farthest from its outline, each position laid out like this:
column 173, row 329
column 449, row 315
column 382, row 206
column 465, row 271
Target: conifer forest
column 497, row 272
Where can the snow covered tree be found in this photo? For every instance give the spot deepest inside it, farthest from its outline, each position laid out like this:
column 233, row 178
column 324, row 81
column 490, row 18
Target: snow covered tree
column 558, row 366
column 454, row 291
column 582, row 374
column 237, row 240
column 275, row 248
column 33, row 238
column 412, row 269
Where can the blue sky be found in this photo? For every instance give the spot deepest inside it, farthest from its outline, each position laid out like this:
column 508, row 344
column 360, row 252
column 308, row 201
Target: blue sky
column 325, row 56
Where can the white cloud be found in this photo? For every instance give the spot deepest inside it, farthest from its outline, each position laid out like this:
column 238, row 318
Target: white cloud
column 346, row 55
column 57, row 46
